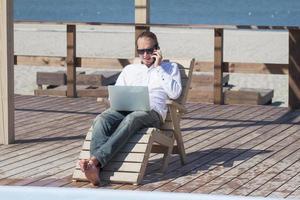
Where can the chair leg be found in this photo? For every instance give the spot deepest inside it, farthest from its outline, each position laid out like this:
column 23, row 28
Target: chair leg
column 182, row 153
column 166, row 158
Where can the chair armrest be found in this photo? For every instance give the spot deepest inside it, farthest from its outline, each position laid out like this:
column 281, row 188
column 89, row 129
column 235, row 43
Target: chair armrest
column 105, row 101
column 180, row 107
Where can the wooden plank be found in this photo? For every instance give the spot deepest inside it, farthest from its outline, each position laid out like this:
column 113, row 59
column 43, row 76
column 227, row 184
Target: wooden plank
column 145, row 160
column 90, row 91
column 254, row 96
column 136, row 138
column 228, row 181
column 90, row 79
column 295, row 194
column 81, row 90
column 265, row 173
column 132, row 157
column 178, row 135
column 193, row 137
column 39, row 60
column 142, row 16
column 6, row 73
column 277, row 180
column 31, row 154
column 201, row 158
column 60, row 78
column 120, row 166
column 218, row 67
column 188, row 64
column 142, row 11
column 30, row 133
column 59, row 170
column 265, row 132
column 238, row 26
column 129, row 147
column 64, row 112
column 202, row 178
column 124, row 177
column 294, row 69
column 46, row 133
column 123, row 167
column 59, row 182
column 119, row 63
column 40, row 107
column 51, row 78
column 248, row 129
column 67, row 155
column 71, row 60
column 287, row 188
column 57, row 91
column 258, row 68
column 25, row 181
column 207, row 79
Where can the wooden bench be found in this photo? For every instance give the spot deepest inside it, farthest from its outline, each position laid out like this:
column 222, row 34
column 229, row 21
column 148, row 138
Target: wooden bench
column 252, row 96
column 91, row 85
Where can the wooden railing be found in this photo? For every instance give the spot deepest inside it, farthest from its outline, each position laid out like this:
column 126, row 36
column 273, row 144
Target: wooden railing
column 218, row 66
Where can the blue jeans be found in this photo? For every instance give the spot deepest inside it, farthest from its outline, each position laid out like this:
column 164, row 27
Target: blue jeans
column 112, row 129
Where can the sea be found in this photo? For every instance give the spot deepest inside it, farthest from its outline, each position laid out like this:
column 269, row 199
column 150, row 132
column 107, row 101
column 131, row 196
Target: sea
column 214, row 12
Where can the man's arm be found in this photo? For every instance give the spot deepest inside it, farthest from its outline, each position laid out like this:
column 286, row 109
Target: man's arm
column 121, row 78
column 171, row 80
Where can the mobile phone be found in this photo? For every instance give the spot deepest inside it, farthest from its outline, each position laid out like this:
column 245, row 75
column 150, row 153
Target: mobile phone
column 156, row 47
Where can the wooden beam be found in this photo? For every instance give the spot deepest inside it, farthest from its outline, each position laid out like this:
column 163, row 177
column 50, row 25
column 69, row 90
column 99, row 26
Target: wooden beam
column 142, row 16
column 7, row 135
column 294, row 69
column 258, row 68
column 71, row 60
column 119, row 63
column 218, row 67
column 40, row 60
column 142, row 11
column 204, row 26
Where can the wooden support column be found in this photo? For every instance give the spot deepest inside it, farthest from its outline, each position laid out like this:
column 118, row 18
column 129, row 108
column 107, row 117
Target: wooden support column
column 7, row 132
column 71, row 60
column 142, row 16
column 294, row 69
column 218, row 67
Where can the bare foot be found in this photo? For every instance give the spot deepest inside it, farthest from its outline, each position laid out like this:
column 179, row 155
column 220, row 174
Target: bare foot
column 83, row 163
column 92, row 173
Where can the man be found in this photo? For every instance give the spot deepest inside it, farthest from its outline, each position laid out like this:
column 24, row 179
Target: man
column 112, row 128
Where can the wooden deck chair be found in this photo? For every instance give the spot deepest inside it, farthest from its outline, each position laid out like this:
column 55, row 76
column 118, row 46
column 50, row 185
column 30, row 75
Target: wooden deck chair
column 130, row 163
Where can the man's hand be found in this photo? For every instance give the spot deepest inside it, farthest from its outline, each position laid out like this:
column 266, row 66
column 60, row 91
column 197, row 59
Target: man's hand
column 157, row 55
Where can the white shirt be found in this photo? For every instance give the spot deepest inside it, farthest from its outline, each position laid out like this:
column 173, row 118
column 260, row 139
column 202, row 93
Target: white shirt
column 163, row 82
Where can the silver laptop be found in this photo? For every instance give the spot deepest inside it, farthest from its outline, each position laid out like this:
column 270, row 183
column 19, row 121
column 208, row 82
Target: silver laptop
column 129, row 98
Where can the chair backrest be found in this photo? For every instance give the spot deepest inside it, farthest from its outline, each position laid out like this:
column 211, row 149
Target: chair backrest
column 186, row 67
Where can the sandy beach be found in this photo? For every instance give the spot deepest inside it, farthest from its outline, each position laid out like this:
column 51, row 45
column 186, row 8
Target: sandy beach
column 118, row 42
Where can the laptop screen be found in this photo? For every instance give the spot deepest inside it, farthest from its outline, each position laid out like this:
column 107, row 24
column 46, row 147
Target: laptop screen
column 129, row 98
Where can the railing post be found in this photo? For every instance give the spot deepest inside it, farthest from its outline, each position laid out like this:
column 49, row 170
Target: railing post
column 218, row 67
column 294, row 69
column 142, row 16
column 7, row 132
column 71, row 60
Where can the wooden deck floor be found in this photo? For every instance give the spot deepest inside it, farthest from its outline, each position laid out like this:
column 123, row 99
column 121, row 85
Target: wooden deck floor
column 238, row 150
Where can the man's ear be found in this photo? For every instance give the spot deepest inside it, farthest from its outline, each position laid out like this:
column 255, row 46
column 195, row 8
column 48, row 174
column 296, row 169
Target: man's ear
column 157, row 46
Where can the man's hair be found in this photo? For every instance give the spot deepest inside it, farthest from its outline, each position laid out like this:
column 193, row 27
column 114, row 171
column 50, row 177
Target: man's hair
column 148, row 34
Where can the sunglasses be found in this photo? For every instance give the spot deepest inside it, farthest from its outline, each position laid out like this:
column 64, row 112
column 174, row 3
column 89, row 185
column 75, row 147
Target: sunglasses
column 148, row 51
